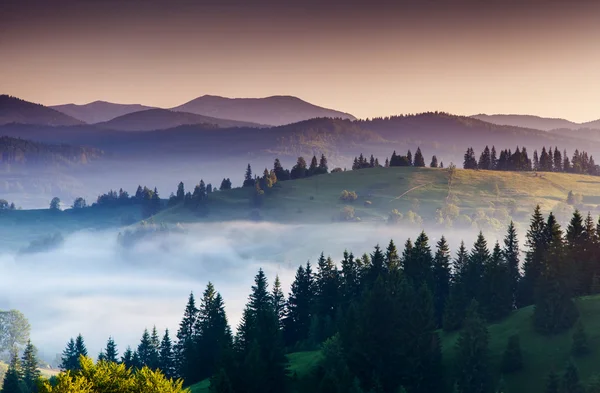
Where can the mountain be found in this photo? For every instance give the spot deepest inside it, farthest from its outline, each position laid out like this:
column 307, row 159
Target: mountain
column 536, row 122
column 98, row 111
column 275, row 110
column 160, row 119
column 15, row 110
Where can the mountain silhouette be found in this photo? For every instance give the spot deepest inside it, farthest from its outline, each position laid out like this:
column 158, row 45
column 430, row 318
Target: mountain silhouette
column 98, row 111
column 15, row 110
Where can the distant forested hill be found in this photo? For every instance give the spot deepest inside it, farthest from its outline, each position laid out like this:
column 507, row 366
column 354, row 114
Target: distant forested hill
column 15, row 110
column 22, row 151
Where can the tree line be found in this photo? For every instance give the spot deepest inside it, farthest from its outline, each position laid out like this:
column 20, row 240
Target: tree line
column 356, row 311
column 547, row 161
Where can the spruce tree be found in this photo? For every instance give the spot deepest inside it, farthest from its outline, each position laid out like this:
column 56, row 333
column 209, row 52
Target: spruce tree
column 166, row 359
column 419, row 159
column 278, row 301
column 552, row 382
column 69, row 359
column 474, row 269
column 145, row 349
column 434, row 162
column 220, row 383
column 80, row 347
column 576, row 253
column 30, row 372
column 14, row 375
column 185, row 347
column 110, row 353
column 532, row 267
column 392, row 259
column 127, row 358
column 441, row 279
column 248, row 178
column 511, row 256
column 570, row 380
column 418, row 267
column 323, row 168
column 312, row 169
column 512, row 360
column 327, row 296
column 580, row 344
column 495, row 295
column 299, row 307
column 554, row 309
column 472, row 359
column 409, row 158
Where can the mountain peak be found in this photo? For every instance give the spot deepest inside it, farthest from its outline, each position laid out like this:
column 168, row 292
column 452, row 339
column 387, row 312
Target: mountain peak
column 273, row 110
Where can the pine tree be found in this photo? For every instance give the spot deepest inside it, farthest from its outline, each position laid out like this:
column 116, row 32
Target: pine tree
column 554, row 308
column 418, row 268
column 495, row 295
column 570, row 380
column 69, row 359
column 392, row 260
column 185, row 347
column 485, row 160
column 493, row 159
column 166, row 359
column 441, row 279
column 469, row 159
column 434, row 162
column 14, row 374
column 532, row 268
column 110, row 353
column 512, row 359
column 80, row 348
column 575, row 240
column 278, row 301
column 350, row 281
column 474, row 269
column 220, row 383
column 127, row 358
column 511, row 256
column 299, row 307
column 552, row 383
column 473, row 370
column 580, row 344
column 30, row 373
column 409, row 158
column 145, row 349
column 419, row 159
column 180, row 192
column 248, row 178
column 327, row 297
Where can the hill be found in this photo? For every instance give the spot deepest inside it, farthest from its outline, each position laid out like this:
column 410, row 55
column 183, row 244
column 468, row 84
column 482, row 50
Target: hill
column 536, row 122
column 161, row 119
column 98, row 111
column 16, row 151
column 483, row 199
column 540, row 353
column 275, row 110
column 15, row 110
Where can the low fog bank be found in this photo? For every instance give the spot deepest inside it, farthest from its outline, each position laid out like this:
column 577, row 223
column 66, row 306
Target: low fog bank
column 92, row 286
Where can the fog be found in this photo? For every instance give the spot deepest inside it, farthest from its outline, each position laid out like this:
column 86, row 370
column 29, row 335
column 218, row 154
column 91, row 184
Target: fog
column 92, row 286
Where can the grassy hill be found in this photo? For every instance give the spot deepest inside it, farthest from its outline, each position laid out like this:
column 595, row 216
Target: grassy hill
column 540, row 353
column 490, row 198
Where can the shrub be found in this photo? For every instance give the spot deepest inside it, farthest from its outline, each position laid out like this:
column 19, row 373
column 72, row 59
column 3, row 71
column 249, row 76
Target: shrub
column 336, row 170
column 348, row 196
column 347, row 213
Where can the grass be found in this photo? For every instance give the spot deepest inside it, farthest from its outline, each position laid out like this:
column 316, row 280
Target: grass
column 423, row 190
column 540, row 353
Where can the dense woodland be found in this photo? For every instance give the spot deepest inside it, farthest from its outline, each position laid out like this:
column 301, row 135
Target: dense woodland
column 22, row 151
column 356, row 312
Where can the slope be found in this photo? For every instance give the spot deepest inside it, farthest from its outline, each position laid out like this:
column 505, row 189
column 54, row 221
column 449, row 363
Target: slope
column 536, row 122
column 15, row 110
column 488, row 199
column 98, row 111
column 275, row 110
column 161, row 119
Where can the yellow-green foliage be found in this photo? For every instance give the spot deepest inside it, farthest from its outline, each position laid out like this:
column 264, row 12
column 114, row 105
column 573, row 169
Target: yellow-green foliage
column 107, row 377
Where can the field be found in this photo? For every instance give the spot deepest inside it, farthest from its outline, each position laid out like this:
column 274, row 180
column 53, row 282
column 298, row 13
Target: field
column 540, row 353
column 488, row 196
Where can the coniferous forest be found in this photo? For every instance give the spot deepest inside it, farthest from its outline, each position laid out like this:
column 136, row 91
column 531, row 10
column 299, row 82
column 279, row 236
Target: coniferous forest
column 377, row 317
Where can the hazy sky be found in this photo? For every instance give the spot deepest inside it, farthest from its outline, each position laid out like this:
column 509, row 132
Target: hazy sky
column 368, row 58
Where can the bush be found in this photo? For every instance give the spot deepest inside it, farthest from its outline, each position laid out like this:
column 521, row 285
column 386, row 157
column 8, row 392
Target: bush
column 348, row 196
column 347, row 213
column 394, row 217
column 336, row 170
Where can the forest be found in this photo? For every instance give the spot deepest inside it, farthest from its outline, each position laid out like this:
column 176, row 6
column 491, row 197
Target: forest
column 355, row 311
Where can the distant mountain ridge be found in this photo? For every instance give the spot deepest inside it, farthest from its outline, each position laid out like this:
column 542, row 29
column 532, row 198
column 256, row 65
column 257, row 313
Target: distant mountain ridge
column 274, row 110
column 99, row 111
column 16, row 110
column 22, row 152
column 160, row 119
column 536, row 122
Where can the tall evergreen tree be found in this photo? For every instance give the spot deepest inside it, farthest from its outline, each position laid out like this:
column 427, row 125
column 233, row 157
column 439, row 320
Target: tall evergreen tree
column 570, row 380
column 110, row 353
column 299, row 307
column 532, row 268
column 248, row 178
column 145, row 349
column 419, row 270
column 511, row 256
column 512, row 360
column 474, row 269
column 69, row 359
column 495, row 296
column 554, row 309
column 552, row 382
column 185, row 347
column 485, row 160
column 580, row 344
column 127, row 358
column 166, row 359
column 434, row 162
column 419, row 159
column 441, row 279
column 31, row 372
column 327, row 296
column 278, row 301
column 392, row 259
column 472, row 361
column 14, row 375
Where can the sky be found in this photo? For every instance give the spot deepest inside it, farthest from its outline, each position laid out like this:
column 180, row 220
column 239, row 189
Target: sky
column 368, row 58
